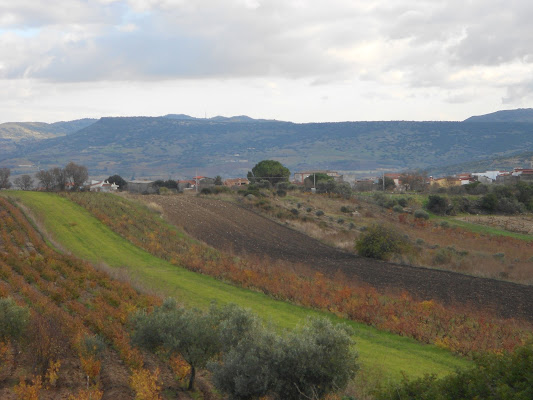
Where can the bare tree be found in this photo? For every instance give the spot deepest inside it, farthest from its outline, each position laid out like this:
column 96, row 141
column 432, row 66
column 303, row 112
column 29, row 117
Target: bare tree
column 59, row 178
column 4, row 178
column 24, row 182
column 76, row 174
column 46, row 179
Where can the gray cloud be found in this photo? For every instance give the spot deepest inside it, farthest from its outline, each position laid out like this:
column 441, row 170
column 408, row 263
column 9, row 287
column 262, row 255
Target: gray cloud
column 414, row 43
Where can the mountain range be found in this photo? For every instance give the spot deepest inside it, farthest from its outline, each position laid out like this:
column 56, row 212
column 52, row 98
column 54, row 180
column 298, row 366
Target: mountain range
column 179, row 146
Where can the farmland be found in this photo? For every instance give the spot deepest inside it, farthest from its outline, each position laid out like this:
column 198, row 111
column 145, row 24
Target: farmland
column 379, row 351
column 148, row 251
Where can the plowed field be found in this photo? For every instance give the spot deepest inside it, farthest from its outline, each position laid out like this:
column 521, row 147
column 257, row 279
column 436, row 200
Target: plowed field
column 228, row 226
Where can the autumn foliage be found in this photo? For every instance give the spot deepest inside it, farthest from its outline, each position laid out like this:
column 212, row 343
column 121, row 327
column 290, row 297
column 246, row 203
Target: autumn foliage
column 459, row 330
column 68, row 300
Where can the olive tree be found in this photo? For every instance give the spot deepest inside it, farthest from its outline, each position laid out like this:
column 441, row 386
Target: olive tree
column 196, row 336
column 305, row 364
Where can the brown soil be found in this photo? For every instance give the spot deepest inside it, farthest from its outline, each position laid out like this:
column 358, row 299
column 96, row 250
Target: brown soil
column 226, row 226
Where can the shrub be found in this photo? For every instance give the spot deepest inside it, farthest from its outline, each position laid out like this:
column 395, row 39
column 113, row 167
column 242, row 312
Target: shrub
column 309, row 363
column 489, row 202
column 402, row 201
column 345, row 209
column 319, row 213
column 397, row 208
column 294, row 211
column 281, row 193
column 381, row 242
column 493, row 377
column 421, row 214
column 13, row 320
column 437, row 204
column 308, row 209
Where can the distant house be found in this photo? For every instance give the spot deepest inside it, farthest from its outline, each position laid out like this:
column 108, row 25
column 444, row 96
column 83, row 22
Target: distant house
column 186, row 184
column 102, row 186
column 236, row 182
column 397, row 178
column 299, row 177
column 142, row 187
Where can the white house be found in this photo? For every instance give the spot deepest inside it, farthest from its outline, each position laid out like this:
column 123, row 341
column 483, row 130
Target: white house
column 102, row 186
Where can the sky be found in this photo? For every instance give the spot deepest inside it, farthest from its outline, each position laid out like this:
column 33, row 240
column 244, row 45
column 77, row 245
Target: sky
column 293, row 60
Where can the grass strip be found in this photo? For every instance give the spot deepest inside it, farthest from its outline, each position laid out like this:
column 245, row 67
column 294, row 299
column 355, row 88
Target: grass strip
column 86, row 237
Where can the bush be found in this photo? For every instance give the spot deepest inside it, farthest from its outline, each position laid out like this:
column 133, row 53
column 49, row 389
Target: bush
column 309, row 363
column 381, row 242
column 437, row 204
column 281, row 193
column 294, row 211
column 397, row 208
column 13, row 320
column 421, row 214
column 319, row 213
column 402, row 201
column 346, row 210
column 494, row 377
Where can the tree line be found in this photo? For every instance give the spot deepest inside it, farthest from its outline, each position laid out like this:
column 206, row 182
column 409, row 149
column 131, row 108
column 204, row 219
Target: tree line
column 55, row 179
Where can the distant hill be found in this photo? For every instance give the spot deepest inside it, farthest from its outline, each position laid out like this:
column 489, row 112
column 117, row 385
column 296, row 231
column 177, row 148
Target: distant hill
column 181, row 146
column 18, row 131
column 519, row 115
column 501, row 163
column 15, row 134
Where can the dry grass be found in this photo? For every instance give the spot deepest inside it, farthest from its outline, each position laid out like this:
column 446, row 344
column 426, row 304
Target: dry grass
column 455, row 249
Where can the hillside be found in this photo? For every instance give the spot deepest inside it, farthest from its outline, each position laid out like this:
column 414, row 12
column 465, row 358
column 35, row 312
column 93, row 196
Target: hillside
column 519, row 115
column 502, row 163
column 13, row 135
column 178, row 146
column 94, row 241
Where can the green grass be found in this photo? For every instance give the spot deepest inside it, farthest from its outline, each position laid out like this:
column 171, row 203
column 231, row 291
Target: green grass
column 83, row 235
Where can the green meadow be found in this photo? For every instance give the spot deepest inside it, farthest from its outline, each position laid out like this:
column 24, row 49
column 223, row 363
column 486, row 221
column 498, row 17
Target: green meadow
column 75, row 230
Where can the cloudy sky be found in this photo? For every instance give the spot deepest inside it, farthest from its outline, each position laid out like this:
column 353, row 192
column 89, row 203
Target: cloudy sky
column 296, row 60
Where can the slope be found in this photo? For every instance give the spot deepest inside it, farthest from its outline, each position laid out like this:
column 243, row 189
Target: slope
column 83, row 235
column 163, row 147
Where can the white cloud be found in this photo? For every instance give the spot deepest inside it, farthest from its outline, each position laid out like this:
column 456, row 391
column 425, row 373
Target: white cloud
column 452, row 49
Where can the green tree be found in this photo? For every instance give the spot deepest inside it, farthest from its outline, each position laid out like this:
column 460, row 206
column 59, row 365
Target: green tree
column 307, row 363
column 389, row 183
column 196, row 336
column 218, row 180
column 437, row 204
column 118, row 180
column 270, row 170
